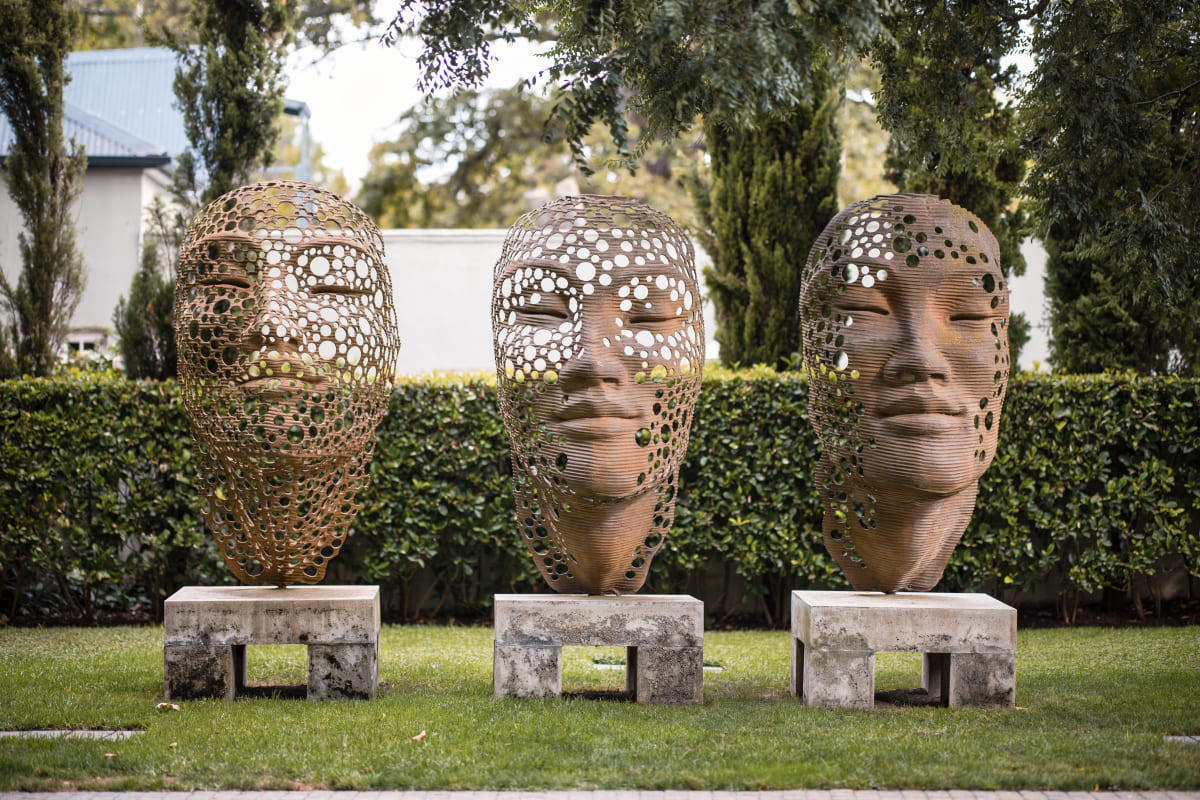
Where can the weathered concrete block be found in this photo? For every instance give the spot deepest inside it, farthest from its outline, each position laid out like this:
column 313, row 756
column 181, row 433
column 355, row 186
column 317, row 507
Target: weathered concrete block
column 196, row 671
column 668, row 675
column 968, row 642
column 984, row 680
column 570, row 619
column 527, row 671
column 840, row 678
column 663, row 636
column 269, row 615
column 207, row 628
column 343, row 671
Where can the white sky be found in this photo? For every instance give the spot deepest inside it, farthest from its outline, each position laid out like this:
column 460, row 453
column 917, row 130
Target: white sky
column 356, row 93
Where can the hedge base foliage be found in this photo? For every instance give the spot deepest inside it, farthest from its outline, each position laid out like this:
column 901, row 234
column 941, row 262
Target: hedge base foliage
column 1095, row 484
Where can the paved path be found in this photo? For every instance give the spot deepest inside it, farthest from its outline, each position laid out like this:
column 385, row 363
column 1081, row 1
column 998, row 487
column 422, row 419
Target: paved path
column 794, row 794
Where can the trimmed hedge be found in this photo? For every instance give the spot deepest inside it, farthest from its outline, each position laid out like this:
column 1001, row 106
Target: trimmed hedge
column 1095, row 484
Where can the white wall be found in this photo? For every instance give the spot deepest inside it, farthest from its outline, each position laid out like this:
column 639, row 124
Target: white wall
column 108, row 225
column 442, row 281
column 110, row 238
column 1026, row 294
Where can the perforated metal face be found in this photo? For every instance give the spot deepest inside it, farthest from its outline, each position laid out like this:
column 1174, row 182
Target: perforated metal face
column 598, row 345
column 905, row 315
column 287, row 339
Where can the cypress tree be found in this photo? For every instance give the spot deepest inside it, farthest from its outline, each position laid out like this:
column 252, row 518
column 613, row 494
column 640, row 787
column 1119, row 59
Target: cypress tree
column 1113, row 121
column 773, row 189
column 229, row 87
column 44, row 180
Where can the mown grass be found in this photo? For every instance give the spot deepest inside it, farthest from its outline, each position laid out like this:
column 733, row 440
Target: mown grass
column 1094, row 707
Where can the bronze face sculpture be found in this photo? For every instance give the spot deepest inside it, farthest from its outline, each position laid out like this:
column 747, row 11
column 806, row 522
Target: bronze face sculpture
column 905, row 316
column 599, row 345
column 286, row 334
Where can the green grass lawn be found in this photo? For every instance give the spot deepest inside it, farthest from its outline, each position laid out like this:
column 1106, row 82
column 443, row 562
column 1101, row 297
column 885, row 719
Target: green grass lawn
column 1094, row 706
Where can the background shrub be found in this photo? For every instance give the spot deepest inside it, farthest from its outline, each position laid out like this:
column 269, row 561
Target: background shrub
column 1095, row 484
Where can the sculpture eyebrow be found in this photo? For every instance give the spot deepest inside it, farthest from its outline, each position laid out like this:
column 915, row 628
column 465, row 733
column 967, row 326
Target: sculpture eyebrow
column 544, row 263
column 226, row 237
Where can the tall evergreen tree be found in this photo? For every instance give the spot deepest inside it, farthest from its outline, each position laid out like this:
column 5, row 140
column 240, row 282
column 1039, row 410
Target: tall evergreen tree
column 43, row 177
column 229, row 88
column 773, row 189
column 1113, row 117
column 729, row 61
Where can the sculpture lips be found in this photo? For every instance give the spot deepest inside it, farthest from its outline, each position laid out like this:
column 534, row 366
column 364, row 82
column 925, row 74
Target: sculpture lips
column 594, row 419
column 586, row 409
column 923, row 415
column 297, row 373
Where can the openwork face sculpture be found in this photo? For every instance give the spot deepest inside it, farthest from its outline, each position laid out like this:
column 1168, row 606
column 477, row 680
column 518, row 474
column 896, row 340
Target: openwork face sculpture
column 287, row 339
column 905, row 316
column 599, row 345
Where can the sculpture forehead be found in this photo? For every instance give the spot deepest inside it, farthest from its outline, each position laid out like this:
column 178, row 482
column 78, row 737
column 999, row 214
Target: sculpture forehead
column 917, row 237
column 619, row 236
column 299, row 213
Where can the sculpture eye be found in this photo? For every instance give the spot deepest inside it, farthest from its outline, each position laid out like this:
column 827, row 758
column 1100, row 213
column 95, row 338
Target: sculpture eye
column 337, row 289
column 226, row 281
column 547, row 307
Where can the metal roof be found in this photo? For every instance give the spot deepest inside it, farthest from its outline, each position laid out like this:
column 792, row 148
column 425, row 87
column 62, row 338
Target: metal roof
column 130, row 89
column 120, row 105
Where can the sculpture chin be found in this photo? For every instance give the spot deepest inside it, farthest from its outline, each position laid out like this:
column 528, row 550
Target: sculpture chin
column 905, row 542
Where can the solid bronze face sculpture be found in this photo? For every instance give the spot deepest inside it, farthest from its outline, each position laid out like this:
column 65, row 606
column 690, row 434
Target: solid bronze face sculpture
column 286, row 335
column 599, row 346
column 905, row 316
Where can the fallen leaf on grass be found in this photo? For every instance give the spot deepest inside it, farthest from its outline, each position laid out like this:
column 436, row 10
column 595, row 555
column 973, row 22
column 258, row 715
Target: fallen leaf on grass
column 173, row 744
column 167, row 707
column 111, row 755
column 420, row 737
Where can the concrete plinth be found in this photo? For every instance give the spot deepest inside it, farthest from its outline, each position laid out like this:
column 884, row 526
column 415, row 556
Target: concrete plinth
column 207, row 628
column 968, row 642
column 663, row 636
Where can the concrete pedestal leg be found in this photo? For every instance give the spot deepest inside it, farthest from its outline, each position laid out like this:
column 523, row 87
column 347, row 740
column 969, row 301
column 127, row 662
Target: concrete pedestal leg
column 199, row 671
column 668, row 674
column 841, row 678
column 983, row 680
column 527, row 671
column 631, row 671
column 343, row 671
column 796, row 668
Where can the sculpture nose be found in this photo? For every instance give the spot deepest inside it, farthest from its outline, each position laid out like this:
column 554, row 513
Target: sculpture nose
column 595, row 363
column 917, row 355
column 277, row 322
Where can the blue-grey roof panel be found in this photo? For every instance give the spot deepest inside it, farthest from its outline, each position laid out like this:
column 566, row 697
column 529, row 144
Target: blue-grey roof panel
column 130, row 89
column 121, row 105
column 102, row 139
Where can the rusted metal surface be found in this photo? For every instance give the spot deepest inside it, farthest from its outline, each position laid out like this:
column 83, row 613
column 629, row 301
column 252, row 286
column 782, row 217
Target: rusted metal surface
column 287, row 341
column 905, row 320
column 599, row 345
